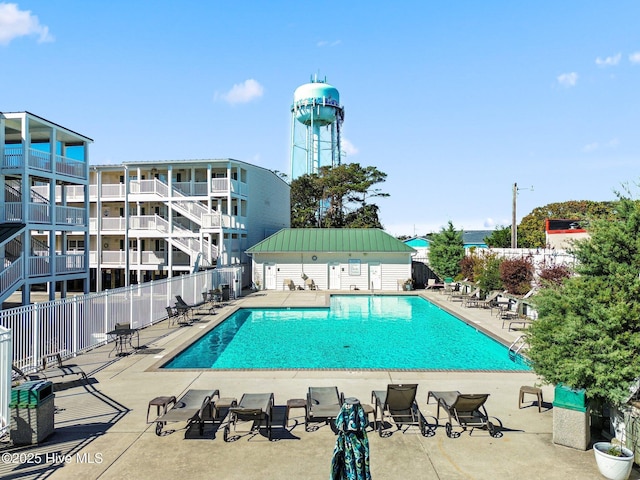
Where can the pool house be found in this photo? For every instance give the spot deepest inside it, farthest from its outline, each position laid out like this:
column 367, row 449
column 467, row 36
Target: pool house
column 331, row 259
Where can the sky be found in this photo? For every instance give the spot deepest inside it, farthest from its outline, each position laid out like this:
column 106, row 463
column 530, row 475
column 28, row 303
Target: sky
column 456, row 101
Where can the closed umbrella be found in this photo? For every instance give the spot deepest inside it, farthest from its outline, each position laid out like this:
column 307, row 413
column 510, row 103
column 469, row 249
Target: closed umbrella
column 351, row 455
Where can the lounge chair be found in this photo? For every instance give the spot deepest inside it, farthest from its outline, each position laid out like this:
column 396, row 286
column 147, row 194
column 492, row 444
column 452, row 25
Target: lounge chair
column 467, row 410
column 52, row 367
column 310, row 284
column 288, row 284
column 180, row 303
column 194, row 407
column 256, row 408
column 461, row 297
column 17, row 376
column 471, row 299
column 398, row 403
column 491, row 301
column 323, row 405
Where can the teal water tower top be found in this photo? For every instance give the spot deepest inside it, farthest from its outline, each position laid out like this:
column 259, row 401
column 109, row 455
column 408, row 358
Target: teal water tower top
column 316, row 102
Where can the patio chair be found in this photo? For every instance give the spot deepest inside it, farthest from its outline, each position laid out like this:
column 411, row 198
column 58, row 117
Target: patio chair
column 323, row 405
column 194, row 407
column 288, row 283
column 398, row 403
column 467, row 411
column 58, row 369
column 178, row 316
column 310, row 284
column 256, row 408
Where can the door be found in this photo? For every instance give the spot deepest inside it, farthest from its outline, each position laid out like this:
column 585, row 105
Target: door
column 334, row 276
column 270, row 276
column 375, row 276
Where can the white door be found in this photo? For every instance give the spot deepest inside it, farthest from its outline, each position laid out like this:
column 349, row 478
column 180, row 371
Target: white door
column 270, row 276
column 334, row 276
column 375, row 276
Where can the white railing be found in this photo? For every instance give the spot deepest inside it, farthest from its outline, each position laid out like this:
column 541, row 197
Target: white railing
column 6, row 357
column 149, row 222
column 14, row 157
column 70, row 215
column 73, row 193
column 75, row 324
column 117, row 224
column 70, row 263
column 154, row 186
column 219, row 185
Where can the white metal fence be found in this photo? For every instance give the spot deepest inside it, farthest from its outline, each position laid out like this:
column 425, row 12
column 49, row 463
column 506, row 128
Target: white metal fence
column 76, row 324
column 5, row 379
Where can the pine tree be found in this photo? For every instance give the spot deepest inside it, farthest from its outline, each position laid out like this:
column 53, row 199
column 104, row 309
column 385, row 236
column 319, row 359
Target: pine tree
column 446, row 250
column 588, row 330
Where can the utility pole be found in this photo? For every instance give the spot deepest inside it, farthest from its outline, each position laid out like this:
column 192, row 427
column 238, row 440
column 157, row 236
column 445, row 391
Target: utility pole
column 514, row 227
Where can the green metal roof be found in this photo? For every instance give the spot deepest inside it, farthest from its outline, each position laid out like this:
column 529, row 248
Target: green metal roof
column 330, row 240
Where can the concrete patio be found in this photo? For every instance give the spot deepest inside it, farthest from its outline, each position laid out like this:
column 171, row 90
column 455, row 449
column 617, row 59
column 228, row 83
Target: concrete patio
column 101, row 430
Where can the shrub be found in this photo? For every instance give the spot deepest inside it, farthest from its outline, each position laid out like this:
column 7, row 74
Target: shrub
column 487, row 272
column 516, row 275
column 554, row 275
column 468, row 267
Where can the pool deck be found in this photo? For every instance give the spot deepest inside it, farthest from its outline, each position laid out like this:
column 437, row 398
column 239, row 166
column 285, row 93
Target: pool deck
column 101, row 430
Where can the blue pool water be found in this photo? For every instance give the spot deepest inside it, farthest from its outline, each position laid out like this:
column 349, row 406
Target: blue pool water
column 356, row 332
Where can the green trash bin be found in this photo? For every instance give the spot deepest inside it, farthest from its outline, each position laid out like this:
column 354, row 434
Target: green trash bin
column 31, row 412
column 571, row 417
column 566, row 397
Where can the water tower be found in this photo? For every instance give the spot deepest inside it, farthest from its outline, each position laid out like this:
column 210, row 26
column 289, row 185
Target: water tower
column 315, row 127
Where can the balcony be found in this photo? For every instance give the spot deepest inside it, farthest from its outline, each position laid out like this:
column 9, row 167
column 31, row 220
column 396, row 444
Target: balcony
column 41, row 213
column 15, row 158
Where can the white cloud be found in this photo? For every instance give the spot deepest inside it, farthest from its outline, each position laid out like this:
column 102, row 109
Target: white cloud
column 609, row 61
column 348, row 147
column 590, row 147
column 568, row 79
column 634, row 57
column 326, row 43
column 242, row 92
column 16, row 23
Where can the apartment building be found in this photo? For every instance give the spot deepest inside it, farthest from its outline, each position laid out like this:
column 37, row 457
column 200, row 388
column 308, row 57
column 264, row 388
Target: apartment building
column 44, row 174
column 151, row 220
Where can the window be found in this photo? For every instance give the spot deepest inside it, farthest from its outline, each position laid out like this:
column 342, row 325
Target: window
column 75, row 245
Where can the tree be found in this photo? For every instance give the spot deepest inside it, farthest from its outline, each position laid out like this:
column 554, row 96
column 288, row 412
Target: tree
column 531, row 231
column 588, row 330
column 337, row 197
column 446, row 250
column 499, row 238
column 306, row 195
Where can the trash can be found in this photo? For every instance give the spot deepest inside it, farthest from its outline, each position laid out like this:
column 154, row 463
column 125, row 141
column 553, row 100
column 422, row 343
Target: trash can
column 571, row 418
column 31, row 412
column 224, row 287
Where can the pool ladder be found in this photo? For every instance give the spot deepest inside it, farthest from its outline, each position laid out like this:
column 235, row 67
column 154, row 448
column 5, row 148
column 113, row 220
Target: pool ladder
column 517, row 346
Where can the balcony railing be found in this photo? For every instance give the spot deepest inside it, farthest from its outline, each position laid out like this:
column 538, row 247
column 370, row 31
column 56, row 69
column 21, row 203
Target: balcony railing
column 14, row 157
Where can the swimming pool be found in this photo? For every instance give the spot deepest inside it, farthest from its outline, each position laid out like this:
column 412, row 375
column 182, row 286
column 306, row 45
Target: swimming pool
column 357, row 332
